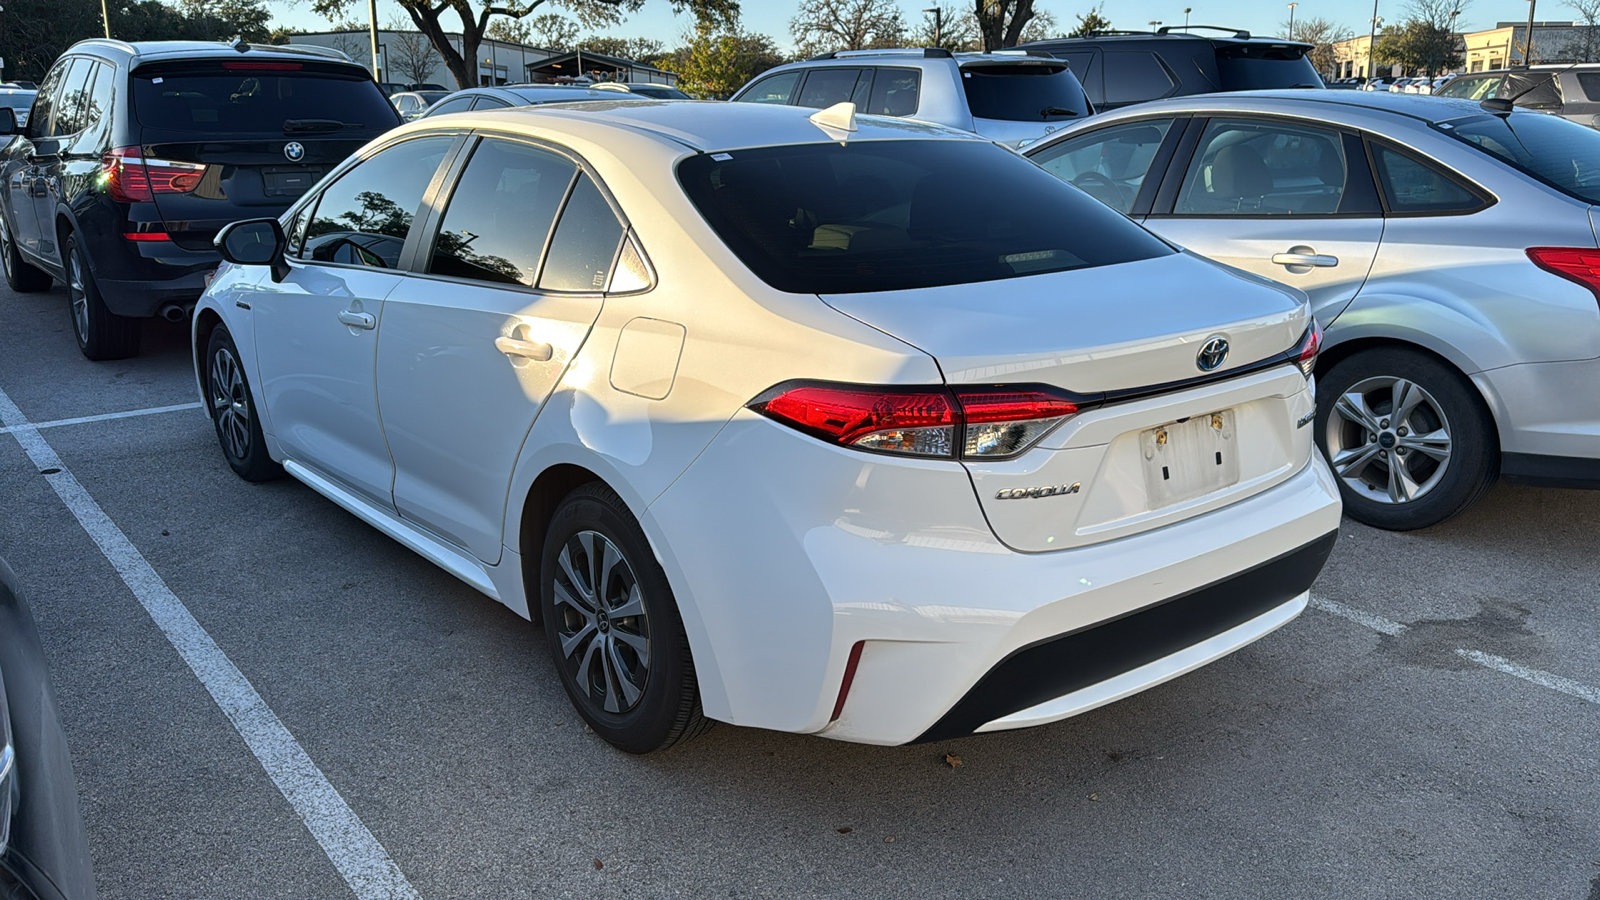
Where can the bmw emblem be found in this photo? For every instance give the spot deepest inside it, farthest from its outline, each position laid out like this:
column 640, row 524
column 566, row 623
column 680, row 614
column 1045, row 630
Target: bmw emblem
column 294, row 151
column 1212, row 353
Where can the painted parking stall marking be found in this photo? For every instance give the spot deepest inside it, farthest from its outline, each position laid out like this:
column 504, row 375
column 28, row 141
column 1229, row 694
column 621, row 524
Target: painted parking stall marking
column 103, row 417
column 363, row 863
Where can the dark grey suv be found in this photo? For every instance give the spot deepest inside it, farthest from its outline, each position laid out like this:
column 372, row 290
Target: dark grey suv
column 1119, row 68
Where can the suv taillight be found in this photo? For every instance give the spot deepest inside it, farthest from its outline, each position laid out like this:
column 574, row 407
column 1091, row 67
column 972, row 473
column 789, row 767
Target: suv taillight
column 1310, row 345
column 1572, row 263
column 960, row 422
column 129, row 176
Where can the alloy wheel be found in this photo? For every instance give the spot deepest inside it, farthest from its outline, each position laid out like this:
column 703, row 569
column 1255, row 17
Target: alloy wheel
column 6, row 250
column 78, row 293
column 603, row 626
column 1389, row 439
column 230, row 404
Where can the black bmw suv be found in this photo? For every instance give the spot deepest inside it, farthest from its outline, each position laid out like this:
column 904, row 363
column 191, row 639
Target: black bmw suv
column 135, row 155
column 1120, row 68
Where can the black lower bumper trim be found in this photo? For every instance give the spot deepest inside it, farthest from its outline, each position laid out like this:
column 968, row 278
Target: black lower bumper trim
column 1550, row 471
column 1070, row 662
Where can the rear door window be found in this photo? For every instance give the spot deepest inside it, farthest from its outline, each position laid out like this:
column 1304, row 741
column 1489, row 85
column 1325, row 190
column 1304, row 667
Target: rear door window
column 260, row 97
column 72, row 109
column 828, row 85
column 772, row 89
column 499, row 215
column 363, row 218
column 1590, row 82
column 1134, row 76
column 490, row 103
column 453, row 105
column 585, row 243
column 1032, row 92
column 1110, row 164
column 1245, row 167
column 894, row 92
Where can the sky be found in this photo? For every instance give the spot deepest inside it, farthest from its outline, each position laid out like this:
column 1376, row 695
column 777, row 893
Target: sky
column 771, row 17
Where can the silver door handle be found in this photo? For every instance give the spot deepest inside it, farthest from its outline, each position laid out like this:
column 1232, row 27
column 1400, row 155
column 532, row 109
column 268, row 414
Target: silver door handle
column 358, row 319
column 526, row 349
column 1305, row 259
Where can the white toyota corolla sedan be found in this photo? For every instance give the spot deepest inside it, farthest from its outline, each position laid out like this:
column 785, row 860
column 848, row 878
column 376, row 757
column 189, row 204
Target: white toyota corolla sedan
column 855, row 427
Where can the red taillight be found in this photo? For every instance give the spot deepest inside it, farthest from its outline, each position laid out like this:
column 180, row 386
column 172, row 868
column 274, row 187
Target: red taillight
column 146, row 236
column 1310, row 346
column 991, row 422
column 261, row 66
column 130, row 177
column 1572, row 263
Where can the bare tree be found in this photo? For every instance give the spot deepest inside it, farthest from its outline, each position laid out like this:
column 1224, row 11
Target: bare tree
column 1001, row 22
column 351, row 39
column 1042, row 26
column 1322, row 34
column 1584, row 46
column 825, row 25
column 409, row 55
column 956, row 33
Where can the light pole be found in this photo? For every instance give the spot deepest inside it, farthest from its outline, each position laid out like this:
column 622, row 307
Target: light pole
column 1372, row 39
column 372, row 32
column 1154, row 24
column 938, row 25
column 105, row 17
column 1291, row 19
column 1186, row 11
column 1527, row 47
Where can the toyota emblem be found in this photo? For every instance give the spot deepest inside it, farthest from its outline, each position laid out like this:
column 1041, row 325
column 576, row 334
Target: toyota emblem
column 294, row 151
column 1212, row 353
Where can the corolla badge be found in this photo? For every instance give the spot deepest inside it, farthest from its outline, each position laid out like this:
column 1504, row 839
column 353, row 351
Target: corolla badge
column 1212, row 353
column 294, row 151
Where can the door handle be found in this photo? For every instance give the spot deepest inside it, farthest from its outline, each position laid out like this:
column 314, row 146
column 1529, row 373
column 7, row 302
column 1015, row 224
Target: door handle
column 358, row 319
column 1316, row 260
column 526, row 349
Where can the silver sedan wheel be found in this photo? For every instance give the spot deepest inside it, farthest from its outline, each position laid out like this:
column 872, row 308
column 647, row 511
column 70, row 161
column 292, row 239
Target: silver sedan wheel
column 603, row 626
column 79, row 295
column 230, row 404
column 1389, row 439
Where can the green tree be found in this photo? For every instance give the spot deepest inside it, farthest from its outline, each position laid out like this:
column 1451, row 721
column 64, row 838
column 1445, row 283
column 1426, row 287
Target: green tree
column 638, row 48
column 1092, row 22
column 716, row 63
column 1417, row 46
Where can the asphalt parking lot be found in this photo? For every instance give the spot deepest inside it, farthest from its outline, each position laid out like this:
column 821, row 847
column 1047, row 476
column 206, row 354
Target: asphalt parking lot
column 1427, row 730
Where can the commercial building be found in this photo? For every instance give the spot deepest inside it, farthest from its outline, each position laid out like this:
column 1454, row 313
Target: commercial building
column 408, row 57
column 1553, row 42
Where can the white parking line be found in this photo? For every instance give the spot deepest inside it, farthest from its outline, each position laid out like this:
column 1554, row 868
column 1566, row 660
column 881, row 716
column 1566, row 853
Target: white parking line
column 360, row 859
column 104, row 417
column 1376, row 623
column 1543, row 679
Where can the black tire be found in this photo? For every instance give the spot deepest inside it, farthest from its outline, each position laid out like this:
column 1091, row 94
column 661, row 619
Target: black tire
column 1447, row 404
column 666, row 710
column 233, row 410
column 22, row 277
column 101, row 334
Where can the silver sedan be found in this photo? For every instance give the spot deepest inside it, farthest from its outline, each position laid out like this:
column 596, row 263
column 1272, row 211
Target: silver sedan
column 1449, row 252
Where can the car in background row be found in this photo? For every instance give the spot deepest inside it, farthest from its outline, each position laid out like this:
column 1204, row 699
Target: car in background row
column 770, row 419
column 1010, row 96
column 44, row 851
column 506, row 96
column 645, row 89
column 137, row 154
column 19, row 101
column 414, row 103
column 1120, row 68
column 1569, row 91
column 1449, row 252
column 390, row 88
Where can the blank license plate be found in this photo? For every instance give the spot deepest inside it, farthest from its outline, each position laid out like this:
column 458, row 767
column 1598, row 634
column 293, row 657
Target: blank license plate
column 288, row 182
column 1188, row 459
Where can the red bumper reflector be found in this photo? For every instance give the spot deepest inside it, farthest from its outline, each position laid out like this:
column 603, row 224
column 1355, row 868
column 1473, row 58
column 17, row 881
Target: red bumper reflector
column 147, row 236
column 849, row 676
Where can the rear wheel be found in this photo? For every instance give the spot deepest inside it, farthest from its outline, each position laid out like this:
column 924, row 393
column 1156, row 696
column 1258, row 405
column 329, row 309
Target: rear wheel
column 613, row 626
column 20, row 276
column 1408, row 437
column 101, row 334
column 233, row 411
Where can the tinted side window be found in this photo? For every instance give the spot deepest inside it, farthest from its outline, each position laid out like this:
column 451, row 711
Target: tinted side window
column 1590, row 82
column 895, row 92
column 1413, row 186
column 500, row 213
column 453, row 105
column 97, row 108
column 490, row 103
column 362, row 219
column 585, row 243
column 826, row 86
column 1254, row 168
column 1109, row 164
column 45, row 101
column 1136, row 76
column 72, row 107
column 772, row 89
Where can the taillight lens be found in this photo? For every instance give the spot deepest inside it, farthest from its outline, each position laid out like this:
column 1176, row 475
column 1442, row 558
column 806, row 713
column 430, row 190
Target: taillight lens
column 1310, row 346
column 130, row 177
column 1572, row 263
column 963, row 422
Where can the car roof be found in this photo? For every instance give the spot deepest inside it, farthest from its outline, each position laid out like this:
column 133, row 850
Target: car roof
column 138, row 52
column 1222, row 36
column 1424, row 107
column 702, row 125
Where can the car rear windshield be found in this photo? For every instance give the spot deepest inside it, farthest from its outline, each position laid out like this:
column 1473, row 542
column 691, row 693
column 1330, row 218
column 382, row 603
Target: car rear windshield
column 260, row 97
column 1556, row 151
column 16, row 99
column 839, row 218
column 1255, row 67
column 1024, row 93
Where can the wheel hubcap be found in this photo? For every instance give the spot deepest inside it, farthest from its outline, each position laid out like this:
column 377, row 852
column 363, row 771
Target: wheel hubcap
column 79, row 297
column 1389, row 440
column 601, row 622
column 230, row 404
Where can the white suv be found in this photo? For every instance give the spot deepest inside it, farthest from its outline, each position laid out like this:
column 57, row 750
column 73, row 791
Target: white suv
column 1014, row 97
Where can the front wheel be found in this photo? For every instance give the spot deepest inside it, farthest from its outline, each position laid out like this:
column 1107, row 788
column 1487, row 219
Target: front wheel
column 233, row 411
column 1408, row 437
column 20, row 276
column 613, row 627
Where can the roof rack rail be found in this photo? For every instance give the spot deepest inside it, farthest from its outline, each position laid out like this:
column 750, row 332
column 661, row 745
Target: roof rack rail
column 924, row 52
column 1113, row 32
column 1238, row 33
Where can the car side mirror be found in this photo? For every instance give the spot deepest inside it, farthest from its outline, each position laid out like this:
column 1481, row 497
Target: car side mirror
column 254, row 242
column 8, row 120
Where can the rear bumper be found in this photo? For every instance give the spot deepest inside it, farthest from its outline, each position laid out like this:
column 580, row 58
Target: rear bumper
column 139, row 278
